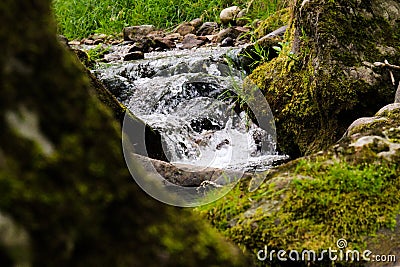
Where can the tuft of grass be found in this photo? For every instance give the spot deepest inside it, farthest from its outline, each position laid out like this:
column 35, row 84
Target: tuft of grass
column 81, row 18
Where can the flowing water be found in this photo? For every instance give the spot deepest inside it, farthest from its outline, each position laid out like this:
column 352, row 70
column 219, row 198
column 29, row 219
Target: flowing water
column 189, row 97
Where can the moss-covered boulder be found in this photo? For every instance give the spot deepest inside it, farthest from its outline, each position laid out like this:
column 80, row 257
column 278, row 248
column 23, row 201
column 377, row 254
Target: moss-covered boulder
column 63, row 178
column 324, row 77
column 351, row 191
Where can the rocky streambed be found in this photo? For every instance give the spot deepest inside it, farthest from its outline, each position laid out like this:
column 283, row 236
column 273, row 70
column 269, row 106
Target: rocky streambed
column 191, row 97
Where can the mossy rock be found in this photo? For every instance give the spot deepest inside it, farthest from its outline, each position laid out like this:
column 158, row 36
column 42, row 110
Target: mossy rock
column 351, row 191
column 63, row 178
column 324, row 78
column 273, row 22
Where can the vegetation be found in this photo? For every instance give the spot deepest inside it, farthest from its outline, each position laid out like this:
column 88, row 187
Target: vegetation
column 63, row 178
column 317, row 203
column 318, row 84
column 81, row 18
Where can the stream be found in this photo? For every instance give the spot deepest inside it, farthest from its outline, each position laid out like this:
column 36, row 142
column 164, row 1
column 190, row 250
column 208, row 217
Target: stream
column 190, row 98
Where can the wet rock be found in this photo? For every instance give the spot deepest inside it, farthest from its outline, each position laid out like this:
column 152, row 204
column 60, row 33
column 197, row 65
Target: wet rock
column 135, row 33
column 233, row 32
column 145, row 45
column 134, row 56
column 191, row 41
column 208, row 28
column 228, row 41
column 228, row 15
column 184, row 174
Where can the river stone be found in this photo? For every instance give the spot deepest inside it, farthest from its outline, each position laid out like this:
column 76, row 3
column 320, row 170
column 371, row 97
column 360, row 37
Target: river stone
column 185, row 28
column 163, row 43
column 241, row 17
column 208, row 28
column 134, row 56
column 228, row 15
column 228, row 41
column 135, row 33
column 184, row 174
column 191, row 41
column 233, row 32
column 196, row 23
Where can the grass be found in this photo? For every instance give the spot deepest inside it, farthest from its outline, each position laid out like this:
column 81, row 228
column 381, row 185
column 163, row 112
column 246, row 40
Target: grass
column 80, row 18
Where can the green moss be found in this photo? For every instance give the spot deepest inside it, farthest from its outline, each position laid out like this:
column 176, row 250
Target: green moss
column 77, row 200
column 273, row 22
column 320, row 202
column 317, row 92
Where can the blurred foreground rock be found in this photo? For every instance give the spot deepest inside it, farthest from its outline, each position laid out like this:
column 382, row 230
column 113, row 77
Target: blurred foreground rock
column 62, row 174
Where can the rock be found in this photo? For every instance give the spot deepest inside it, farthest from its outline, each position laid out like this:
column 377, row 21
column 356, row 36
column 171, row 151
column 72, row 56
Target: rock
column 228, row 15
column 273, row 22
column 397, row 97
column 362, row 124
column 252, row 55
column 62, row 174
column 317, row 112
column 389, row 111
column 185, row 175
column 160, row 43
column 315, row 194
column 190, row 41
column 196, row 23
column 233, row 32
column 277, row 33
column 134, row 56
column 174, row 37
column 228, row 41
column 208, row 28
column 136, row 33
column 74, row 42
column 63, row 40
column 144, row 45
column 241, row 19
column 185, row 28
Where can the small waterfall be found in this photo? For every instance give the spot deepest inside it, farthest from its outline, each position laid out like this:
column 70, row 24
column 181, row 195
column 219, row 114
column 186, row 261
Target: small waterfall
column 187, row 95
